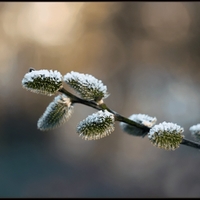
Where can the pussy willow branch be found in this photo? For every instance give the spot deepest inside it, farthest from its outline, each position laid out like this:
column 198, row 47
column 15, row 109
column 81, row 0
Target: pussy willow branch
column 119, row 117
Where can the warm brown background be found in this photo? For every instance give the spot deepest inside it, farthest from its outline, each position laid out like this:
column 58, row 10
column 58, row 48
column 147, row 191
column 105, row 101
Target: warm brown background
column 148, row 55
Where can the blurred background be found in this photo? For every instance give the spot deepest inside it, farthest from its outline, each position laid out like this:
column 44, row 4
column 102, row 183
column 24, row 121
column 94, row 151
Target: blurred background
column 148, row 56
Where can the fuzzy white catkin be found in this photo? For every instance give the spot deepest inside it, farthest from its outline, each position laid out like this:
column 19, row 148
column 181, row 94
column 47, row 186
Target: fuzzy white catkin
column 96, row 126
column 46, row 82
column 195, row 131
column 166, row 135
column 58, row 112
column 86, row 85
column 142, row 119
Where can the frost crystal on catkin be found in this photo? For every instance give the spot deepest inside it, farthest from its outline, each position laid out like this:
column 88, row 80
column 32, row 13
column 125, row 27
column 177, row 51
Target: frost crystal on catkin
column 96, row 126
column 42, row 81
column 141, row 119
column 87, row 86
column 166, row 135
column 56, row 113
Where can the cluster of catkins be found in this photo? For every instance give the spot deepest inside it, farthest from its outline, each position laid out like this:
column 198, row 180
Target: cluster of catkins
column 165, row 135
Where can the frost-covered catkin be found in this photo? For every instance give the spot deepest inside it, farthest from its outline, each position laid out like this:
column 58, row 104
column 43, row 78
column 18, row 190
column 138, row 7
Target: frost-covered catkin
column 56, row 113
column 46, row 82
column 166, row 135
column 195, row 131
column 96, row 126
column 141, row 119
column 87, row 86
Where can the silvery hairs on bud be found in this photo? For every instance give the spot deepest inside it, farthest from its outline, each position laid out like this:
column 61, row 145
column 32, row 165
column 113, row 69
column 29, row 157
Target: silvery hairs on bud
column 141, row 119
column 166, row 135
column 46, row 82
column 96, row 126
column 195, row 131
column 87, row 86
column 56, row 113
